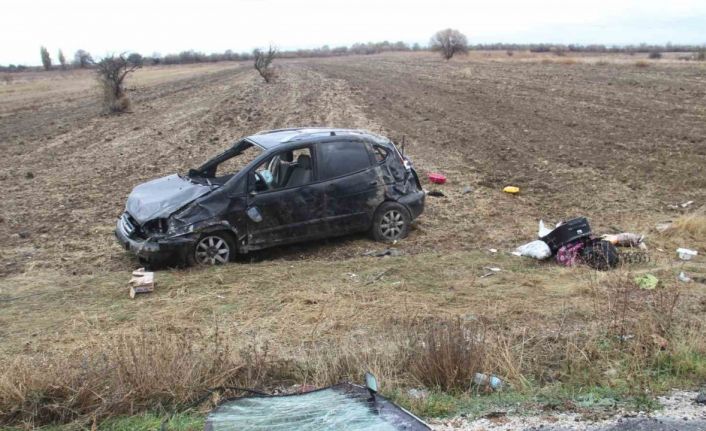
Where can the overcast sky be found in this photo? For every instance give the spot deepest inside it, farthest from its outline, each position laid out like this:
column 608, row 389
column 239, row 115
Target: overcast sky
column 170, row 26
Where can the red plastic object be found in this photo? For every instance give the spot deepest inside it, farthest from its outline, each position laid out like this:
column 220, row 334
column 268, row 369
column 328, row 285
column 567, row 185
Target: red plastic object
column 436, row 178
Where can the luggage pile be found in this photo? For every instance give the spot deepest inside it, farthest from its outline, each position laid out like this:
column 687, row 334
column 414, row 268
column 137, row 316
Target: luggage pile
column 572, row 243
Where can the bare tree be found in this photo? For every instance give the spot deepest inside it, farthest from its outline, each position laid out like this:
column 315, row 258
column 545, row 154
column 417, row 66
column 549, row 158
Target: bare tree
column 62, row 59
column 263, row 62
column 112, row 72
column 449, row 42
column 82, row 58
column 46, row 58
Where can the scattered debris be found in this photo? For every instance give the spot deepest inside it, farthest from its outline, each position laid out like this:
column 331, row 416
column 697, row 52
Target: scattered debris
column 493, row 250
column 141, row 282
column 543, row 230
column 484, row 380
column 512, row 190
column 682, row 205
column 684, row 278
column 572, row 242
column 29, row 175
column 382, row 253
column 536, row 249
column 436, row 178
column 436, row 193
column 492, row 269
column 663, row 226
column 647, row 281
column 625, row 239
column 467, row 190
column 686, row 253
column 23, row 234
column 379, row 276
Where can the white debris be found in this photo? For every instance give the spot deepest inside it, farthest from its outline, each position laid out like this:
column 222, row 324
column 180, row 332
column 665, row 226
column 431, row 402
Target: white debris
column 537, row 249
column 141, row 282
column 686, row 253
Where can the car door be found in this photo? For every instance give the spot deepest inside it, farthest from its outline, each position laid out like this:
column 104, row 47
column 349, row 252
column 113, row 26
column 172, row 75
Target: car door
column 290, row 208
column 353, row 189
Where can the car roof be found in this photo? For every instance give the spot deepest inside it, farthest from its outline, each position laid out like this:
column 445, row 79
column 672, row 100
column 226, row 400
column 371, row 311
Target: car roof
column 274, row 138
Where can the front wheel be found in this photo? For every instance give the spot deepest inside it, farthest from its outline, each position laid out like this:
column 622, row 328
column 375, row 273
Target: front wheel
column 213, row 248
column 391, row 222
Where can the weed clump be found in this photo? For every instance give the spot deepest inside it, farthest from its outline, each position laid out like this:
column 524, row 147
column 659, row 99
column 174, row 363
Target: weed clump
column 448, row 355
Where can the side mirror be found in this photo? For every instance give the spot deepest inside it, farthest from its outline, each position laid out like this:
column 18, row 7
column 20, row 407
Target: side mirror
column 193, row 173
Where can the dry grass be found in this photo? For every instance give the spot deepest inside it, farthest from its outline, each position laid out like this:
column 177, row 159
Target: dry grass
column 690, row 224
column 635, row 340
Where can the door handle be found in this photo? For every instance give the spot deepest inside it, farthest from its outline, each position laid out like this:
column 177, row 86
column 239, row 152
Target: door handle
column 373, row 183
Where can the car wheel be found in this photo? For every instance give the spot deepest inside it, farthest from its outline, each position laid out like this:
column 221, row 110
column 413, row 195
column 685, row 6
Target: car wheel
column 391, row 222
column 213, row 248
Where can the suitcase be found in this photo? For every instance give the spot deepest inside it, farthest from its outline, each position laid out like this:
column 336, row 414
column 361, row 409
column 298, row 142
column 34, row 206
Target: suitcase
column 568, row 232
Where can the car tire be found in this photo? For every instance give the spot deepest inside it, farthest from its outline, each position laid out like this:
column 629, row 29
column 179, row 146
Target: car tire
column 212, row 248
column 391, row 222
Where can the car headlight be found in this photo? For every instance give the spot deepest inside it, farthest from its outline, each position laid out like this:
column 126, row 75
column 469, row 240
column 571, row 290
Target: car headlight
column 175, row 228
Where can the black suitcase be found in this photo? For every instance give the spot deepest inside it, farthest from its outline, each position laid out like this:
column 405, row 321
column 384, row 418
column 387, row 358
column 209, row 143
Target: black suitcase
column 568, row 232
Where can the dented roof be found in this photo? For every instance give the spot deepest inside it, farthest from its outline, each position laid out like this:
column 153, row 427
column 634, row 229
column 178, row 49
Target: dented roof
column 273, row 138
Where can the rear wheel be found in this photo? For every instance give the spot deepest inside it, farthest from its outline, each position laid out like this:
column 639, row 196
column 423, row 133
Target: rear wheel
column 213, row 248
column 391, row 222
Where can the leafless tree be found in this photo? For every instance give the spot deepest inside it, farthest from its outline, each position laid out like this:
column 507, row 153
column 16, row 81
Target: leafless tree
column 46, row 58
column 449, row 42
column 112, row 72
column 62, row 59
column 263, row 62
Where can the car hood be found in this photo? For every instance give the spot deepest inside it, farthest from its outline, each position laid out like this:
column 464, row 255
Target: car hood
column 161, row 197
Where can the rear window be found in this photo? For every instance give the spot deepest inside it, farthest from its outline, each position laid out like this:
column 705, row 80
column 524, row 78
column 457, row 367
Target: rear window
column 341, row 158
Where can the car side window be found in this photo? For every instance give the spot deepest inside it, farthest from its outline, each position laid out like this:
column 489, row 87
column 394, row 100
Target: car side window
column 292, row 168
column 336, row 159
column 380, row 153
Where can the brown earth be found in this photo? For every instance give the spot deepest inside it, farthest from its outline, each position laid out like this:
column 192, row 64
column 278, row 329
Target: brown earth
column 595, row 137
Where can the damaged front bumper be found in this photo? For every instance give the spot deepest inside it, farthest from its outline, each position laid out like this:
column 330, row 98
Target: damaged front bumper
column 152, row 250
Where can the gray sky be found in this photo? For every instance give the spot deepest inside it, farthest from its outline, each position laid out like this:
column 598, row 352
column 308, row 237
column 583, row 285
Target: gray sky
column 170, row 26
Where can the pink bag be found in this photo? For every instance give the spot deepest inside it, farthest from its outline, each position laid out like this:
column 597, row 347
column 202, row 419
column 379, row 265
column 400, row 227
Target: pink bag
column 569, row 254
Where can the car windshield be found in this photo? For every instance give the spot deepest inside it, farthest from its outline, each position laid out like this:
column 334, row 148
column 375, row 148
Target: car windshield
column 224, row 166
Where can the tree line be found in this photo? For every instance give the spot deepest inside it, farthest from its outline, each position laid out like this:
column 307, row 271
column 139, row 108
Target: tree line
column 83, row 59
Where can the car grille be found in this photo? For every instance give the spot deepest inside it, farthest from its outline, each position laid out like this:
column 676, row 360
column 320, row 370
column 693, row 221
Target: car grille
column 126, row 225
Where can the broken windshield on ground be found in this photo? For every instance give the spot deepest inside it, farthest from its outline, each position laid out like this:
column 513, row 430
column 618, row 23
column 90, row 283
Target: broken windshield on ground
column 344, row 407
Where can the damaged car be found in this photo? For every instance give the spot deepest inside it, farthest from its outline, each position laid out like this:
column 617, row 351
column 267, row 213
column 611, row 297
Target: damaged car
column 274, row 188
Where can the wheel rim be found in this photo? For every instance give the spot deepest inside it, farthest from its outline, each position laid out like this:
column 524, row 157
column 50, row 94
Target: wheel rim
column 392, row 224
column 212, row 250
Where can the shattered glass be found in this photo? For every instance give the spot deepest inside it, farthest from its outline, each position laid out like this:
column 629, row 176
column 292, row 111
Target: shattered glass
column 342, row 407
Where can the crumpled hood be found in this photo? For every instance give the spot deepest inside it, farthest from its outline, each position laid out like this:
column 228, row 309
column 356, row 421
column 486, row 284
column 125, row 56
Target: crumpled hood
column 161, row 197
